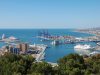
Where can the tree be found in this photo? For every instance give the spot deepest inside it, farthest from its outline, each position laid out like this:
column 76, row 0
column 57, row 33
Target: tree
column 42, row 68
column 71, row 64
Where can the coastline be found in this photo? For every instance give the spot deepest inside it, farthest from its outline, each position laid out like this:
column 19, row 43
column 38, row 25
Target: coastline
column 85, row 31
column 53, row 53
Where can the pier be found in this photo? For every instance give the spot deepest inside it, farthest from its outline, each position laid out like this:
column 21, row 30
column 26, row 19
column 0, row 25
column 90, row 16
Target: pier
column 67, row 39
column 41, row 55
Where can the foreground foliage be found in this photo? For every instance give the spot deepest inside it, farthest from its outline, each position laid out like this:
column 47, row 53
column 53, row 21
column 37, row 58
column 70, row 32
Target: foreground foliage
column 72, row 64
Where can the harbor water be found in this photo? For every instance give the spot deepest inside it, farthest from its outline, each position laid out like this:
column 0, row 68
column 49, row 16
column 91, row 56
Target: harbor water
column 53, row 53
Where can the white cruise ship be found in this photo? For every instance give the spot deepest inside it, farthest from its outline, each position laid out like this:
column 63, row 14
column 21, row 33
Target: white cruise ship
column 94, row 53
column 98, row 43
column 83, row 47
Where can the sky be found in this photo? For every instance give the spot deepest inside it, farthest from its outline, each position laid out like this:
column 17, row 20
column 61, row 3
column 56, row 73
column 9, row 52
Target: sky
column 49, row 14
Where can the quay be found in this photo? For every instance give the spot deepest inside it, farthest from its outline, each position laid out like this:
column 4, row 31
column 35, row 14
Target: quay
column 70, row 39
column 66, row 39
column 47, row 36
column 8, row 39
column 37, row 51
column 13, row 45
column 41, row 55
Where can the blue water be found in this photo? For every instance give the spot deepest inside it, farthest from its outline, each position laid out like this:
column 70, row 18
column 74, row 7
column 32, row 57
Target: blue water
column 54, row 52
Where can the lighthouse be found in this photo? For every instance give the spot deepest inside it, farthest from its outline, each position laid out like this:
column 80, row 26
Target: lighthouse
column 3, row 36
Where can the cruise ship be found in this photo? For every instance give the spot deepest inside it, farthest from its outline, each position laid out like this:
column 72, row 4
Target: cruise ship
column 94, row 53
column 83, row 47
column 98, row 43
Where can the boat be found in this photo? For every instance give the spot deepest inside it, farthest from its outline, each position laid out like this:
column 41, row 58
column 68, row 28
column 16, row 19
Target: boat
column 98, row 43
column 94, row 53
column 83, row 47
column 55, row 42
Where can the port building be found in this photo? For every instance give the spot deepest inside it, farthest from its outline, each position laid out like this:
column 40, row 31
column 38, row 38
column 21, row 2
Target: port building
column 23, row 47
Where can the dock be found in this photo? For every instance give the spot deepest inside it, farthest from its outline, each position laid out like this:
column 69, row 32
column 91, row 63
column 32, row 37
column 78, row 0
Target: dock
column 41, row 55
column 45, row 35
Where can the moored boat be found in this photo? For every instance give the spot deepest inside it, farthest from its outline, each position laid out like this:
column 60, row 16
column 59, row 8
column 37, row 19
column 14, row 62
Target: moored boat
column 98, row 43
column 94, row 53
column 83, row 47
column 55, row 42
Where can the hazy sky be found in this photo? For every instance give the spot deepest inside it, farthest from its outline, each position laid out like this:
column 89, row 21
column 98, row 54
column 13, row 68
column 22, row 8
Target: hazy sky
column 49, row 13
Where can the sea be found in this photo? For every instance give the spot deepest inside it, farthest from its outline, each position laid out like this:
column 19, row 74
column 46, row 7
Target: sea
column 53, row 53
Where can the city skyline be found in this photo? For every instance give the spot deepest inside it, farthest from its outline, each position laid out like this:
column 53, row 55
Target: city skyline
column 31, row 14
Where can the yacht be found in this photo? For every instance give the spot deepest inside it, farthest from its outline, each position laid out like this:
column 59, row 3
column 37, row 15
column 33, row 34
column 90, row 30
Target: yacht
column 83, row 47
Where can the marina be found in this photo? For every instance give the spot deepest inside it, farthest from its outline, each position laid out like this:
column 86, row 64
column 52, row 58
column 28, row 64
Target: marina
column 52, row 45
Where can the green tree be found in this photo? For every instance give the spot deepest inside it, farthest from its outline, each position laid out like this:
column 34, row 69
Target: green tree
column 42, row 68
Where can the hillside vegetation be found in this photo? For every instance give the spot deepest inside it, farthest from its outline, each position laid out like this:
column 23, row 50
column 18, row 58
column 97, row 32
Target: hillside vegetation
column 72, row 64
